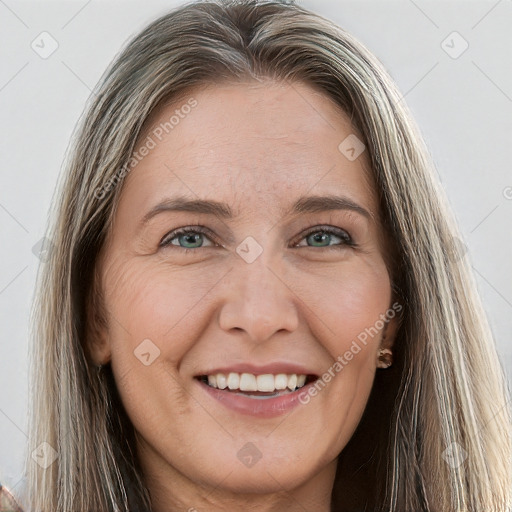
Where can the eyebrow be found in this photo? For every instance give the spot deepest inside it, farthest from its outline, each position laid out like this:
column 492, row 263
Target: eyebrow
column 305, row 204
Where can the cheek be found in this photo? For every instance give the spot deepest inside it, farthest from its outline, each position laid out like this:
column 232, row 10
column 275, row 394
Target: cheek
column 152, row 302
column 154, row 311
column 348, row 302
column 171, row 307
column 347, row 311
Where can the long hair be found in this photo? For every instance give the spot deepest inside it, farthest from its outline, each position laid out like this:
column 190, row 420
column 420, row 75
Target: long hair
column 435, row 435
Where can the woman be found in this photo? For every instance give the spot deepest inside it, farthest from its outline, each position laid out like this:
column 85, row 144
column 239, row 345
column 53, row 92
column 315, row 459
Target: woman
column 260, row 368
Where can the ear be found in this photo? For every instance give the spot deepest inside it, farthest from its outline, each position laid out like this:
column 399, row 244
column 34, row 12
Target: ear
column 391, row 327
column 97, row 335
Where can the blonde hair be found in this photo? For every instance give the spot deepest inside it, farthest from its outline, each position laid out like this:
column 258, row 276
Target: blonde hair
column 446, row 385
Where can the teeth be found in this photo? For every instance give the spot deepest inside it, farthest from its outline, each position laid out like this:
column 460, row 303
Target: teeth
column 222, row 382
column 234, row 381
column 264, row 382
column 249, row 382
column 281, row 381
column 292, row 382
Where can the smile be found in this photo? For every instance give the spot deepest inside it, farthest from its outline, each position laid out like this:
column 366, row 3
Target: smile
column 248, row 382
column 266, row 395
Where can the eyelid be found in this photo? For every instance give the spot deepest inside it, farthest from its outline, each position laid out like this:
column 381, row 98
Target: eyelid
column 184, row 230
column 326, row 228
column 304, row 232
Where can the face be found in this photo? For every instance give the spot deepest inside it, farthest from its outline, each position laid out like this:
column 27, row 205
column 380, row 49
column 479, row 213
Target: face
column 267, row 283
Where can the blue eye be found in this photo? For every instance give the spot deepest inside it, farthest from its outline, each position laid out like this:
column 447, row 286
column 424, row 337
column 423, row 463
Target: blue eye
column 185, row 235
column 191, row 238
column 322, row 234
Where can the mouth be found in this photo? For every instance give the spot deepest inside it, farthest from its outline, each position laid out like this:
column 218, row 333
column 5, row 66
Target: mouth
column 264, row 386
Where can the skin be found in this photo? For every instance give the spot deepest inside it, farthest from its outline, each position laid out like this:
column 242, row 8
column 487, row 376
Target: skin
column 256, row 146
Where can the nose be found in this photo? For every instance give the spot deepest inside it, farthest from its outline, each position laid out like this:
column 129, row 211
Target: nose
column 258, row 301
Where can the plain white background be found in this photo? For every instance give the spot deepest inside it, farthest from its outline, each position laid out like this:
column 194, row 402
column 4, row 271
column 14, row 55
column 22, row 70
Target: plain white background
column 461, row 98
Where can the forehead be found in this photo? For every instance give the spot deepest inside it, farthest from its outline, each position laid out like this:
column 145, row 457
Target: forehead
column 257, row 145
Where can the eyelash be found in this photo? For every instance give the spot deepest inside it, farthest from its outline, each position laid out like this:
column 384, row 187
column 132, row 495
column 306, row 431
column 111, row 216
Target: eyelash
column 340, row 233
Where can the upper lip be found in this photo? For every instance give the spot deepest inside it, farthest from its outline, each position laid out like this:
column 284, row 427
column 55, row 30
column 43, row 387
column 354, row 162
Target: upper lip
column 273, row 368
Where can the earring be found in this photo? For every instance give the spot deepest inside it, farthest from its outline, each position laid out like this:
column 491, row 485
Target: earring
column 385, row 358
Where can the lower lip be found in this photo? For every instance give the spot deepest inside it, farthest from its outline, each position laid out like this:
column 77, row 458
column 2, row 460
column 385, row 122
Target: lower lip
column 262, row 408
